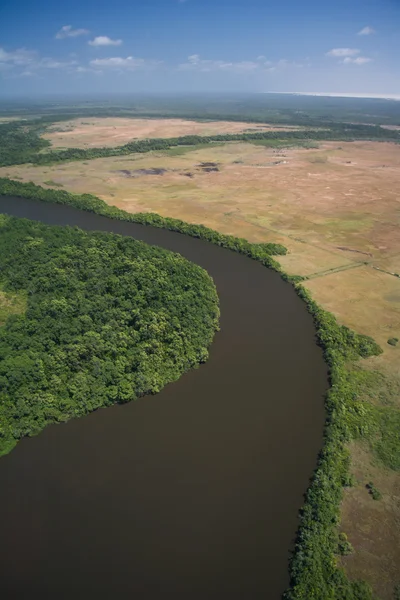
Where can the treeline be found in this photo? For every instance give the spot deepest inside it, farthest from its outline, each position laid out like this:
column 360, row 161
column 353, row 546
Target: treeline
column 263, row 251
column 19, row 143
column 108, row 319
column 314, row 571
column 349, row 133
column 14, row 151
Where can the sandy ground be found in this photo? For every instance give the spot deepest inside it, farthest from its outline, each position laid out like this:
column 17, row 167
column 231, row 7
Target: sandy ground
column 86, row 133
column 337, row 209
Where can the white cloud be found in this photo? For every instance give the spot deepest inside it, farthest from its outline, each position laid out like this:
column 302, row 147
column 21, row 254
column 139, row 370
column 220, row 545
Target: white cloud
column 18, row 57
column 51, row 63
column 360, row 60
column 349, row 56
column 260, row 65
column 130, row 63
column 263, row 59
column 366, row 31
column 67, row 31
column 342, row 52
column 79, row 69
column 195, row 63
column 103, row 40
column 22, row 62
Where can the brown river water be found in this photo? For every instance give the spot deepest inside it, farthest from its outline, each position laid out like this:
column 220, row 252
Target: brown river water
column 192, row 493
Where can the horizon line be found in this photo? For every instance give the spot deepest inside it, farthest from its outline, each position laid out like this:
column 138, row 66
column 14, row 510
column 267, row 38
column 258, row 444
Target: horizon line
column 341, row 95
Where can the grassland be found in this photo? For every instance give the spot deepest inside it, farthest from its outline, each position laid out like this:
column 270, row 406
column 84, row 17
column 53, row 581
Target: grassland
column 336, row 208
column 11, row 304
column 108, row 131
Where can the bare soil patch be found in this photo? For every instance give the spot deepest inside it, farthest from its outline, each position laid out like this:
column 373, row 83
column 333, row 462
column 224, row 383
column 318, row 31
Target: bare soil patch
column 139, row 172
column 107, row 131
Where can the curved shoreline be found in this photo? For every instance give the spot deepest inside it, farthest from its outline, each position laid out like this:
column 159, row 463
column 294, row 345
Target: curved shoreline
column 313, row 569
column 252, row 419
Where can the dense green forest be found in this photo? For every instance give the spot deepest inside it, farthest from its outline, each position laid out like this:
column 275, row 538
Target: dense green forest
column 21, row 142
column 107, row 319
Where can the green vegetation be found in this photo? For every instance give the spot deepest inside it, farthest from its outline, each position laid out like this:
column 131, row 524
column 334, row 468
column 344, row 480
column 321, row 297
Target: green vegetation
column 108, row 319
column 283, row 144
column 91, row 203
column 393, row 341
column 380, row 424
column 349, row 481
column 375, row 493
column 52, row 183
column 21, row 141
column 181, row 150
column 349, row 133
column 280, row 109
column 11, row 304
column 384, row 436
column 344, row 546
column 314, row 570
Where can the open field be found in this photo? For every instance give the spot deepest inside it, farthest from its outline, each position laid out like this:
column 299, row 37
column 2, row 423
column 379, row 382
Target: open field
column 372, row 526
column 11, row 304
column 337, row 209
column 108, row 131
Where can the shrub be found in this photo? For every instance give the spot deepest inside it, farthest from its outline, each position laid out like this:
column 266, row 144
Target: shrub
column 344, row 546
column 375, row 493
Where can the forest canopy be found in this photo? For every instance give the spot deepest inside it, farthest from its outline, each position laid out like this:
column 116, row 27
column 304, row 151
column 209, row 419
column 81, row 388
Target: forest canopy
column 107, row 319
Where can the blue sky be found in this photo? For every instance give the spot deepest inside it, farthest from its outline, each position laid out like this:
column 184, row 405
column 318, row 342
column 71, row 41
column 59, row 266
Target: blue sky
column 93, row 46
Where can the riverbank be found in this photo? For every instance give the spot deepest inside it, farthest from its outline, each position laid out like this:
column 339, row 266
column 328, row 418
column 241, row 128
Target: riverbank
column 196, row 460
column 314, row 571
column 105, row 320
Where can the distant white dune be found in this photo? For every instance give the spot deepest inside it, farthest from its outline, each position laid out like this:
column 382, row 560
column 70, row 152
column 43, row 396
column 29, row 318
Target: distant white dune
column 336, row 95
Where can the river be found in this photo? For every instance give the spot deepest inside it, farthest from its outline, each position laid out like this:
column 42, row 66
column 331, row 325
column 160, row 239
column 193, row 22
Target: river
column 192, row 493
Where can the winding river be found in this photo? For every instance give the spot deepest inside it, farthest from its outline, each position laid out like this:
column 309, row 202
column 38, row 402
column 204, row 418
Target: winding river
column 189, row 494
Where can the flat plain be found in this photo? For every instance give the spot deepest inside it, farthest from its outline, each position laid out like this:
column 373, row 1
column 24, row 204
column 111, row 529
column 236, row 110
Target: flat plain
column 337, row 210
column 109, row 131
